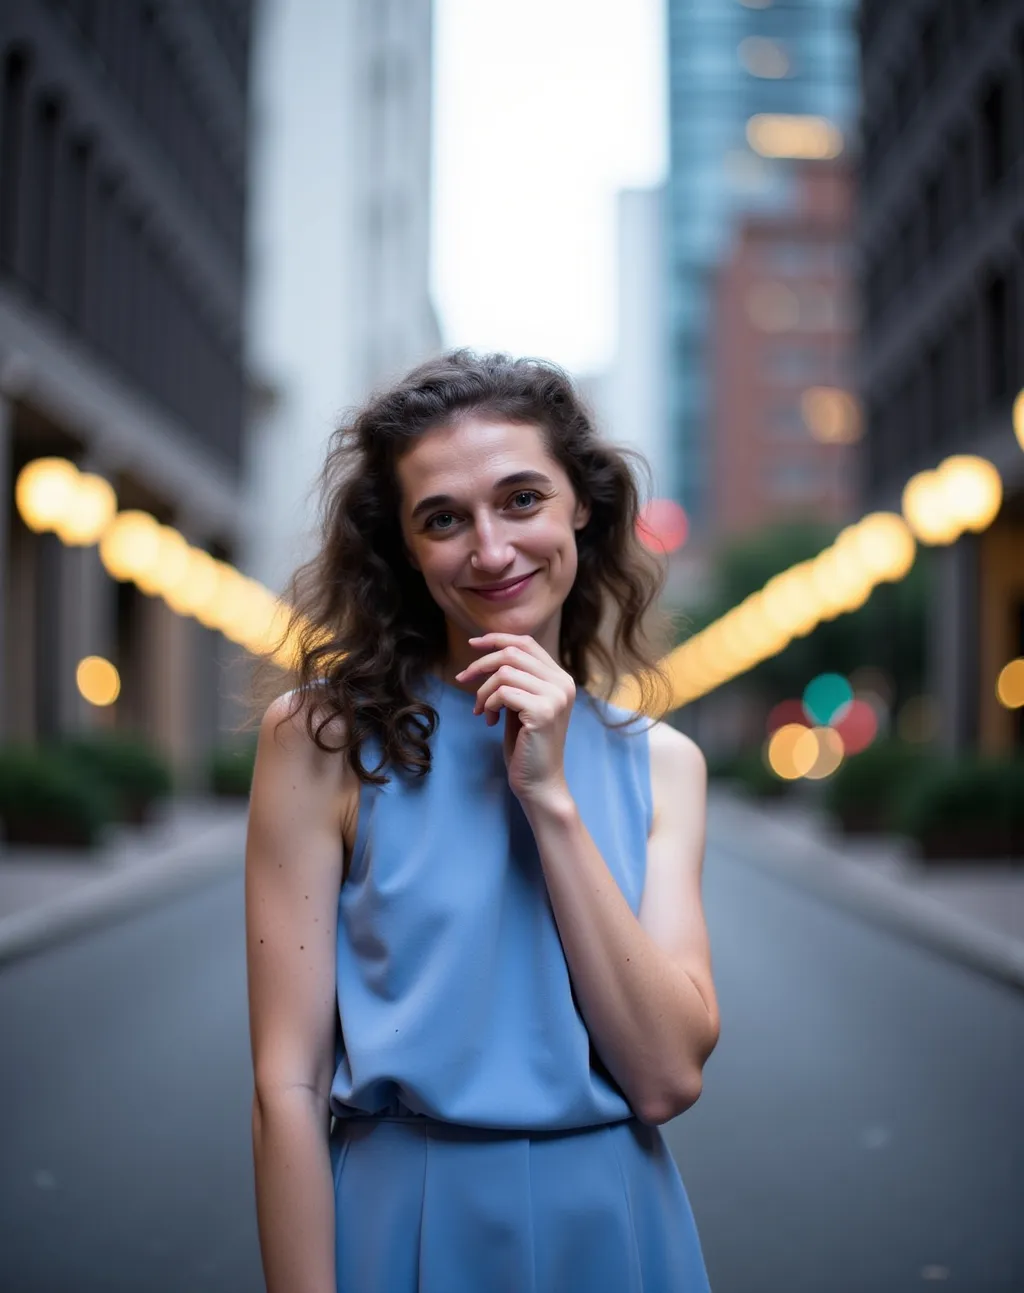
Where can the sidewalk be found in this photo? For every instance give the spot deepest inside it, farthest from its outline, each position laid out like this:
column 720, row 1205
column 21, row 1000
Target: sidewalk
column 972, row 911
column 50, row 894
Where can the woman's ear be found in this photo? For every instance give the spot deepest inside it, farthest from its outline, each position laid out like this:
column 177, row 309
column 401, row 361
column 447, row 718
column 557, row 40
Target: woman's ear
column 582, row 516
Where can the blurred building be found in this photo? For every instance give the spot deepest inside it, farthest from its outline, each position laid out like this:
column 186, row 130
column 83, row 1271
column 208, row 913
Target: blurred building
column 942, row 253
column 341, row 239
column 783, row 419
column 123, row 132
column 752, row 84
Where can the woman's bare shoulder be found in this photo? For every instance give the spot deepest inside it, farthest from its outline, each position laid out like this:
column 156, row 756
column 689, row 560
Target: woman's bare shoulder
column 291, row 764
column 290, row 713
column 678, row 768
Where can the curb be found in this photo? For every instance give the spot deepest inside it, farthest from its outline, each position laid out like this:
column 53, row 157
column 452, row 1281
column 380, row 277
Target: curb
column 797, row 858
column 215, row 852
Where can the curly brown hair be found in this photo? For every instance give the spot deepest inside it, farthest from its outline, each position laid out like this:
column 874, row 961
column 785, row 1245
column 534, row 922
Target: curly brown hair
column 364, row 627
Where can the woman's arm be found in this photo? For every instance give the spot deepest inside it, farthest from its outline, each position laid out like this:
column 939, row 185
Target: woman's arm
column 293, row 873
column 643, row 983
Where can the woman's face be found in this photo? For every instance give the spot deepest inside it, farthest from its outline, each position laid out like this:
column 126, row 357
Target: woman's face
column 483, row 504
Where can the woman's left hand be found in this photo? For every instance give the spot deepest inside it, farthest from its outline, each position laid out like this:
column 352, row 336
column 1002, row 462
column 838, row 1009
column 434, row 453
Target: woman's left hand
column 538, row 696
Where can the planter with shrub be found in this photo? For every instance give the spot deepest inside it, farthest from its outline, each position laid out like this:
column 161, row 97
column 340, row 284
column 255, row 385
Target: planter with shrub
column 48, row 800
column 230, row 768
column 968, row 808
column 138, row 776
column 865, row 792
column 748, row 770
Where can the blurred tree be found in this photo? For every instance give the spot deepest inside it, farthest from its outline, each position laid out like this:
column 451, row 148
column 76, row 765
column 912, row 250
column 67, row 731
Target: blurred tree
column 888, row 632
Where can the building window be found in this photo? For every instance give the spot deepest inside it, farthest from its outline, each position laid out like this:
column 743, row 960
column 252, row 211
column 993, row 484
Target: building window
column 933, row 217
column 41, row 195
column 997, row 326
column 995, row 134
column 962, row 179
column 12, row 121
column 785, row 422
column 795, row 480
column 930, row 50
column 792, row 362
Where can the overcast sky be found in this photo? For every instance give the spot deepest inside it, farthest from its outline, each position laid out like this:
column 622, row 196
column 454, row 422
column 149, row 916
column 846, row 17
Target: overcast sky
column 543, row 110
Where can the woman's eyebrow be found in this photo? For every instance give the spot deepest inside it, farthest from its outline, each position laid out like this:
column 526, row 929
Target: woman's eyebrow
column 516, row 478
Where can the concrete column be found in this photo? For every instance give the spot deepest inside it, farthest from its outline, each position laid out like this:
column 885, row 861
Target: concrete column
column 166, row 646
column 88, row 622
column 89, row 603
column 956, row 637
column 1001, row 629
column 198, row 685
column 6, row 503
column 51, row 656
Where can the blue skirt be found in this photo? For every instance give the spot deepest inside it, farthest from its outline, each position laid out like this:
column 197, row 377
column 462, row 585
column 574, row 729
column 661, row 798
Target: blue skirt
column 423, row 1206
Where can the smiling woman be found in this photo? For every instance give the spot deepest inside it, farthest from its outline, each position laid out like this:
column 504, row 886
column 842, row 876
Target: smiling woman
column 424, row 508
column 475, row 938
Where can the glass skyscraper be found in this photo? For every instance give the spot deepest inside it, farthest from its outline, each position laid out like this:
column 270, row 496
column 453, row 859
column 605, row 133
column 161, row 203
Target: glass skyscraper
column 730, row 62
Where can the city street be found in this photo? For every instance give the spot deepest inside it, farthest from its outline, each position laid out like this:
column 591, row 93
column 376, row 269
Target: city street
column 861, row 1128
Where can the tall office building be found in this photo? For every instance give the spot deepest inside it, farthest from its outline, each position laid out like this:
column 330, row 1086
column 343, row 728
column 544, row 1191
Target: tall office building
column 123, row 176
column 752, row 83
column 942, row 362
column 341, row 240
column 784, row 422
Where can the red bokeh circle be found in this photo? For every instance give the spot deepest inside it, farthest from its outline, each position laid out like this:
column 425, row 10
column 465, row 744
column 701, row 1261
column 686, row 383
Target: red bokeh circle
column 662, row 525
column 787, row 711
column 858, row 727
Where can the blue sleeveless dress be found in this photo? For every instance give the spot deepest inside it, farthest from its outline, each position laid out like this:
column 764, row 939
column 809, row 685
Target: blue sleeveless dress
column 478, row 1143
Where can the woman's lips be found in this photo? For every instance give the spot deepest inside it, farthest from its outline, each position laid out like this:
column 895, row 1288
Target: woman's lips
column 503, row 594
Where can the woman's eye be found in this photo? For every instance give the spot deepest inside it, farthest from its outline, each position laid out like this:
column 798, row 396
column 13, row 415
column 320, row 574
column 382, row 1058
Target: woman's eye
column 530, row 495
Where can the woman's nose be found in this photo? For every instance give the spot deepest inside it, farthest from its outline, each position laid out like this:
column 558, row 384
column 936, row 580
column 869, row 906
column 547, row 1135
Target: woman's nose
column 492, row 549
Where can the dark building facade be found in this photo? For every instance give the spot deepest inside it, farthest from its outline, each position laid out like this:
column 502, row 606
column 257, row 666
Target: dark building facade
column 941, row 235
column 123, row 179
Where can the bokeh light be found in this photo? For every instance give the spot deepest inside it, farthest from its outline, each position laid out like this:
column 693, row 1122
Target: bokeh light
column 44, row 491
column 827, row 697
column 98, row 680
column 828, row 753
column 1010, row 684
column 779, row 134
column 197, row 587
column 858, row 726
column 792, row 751
column 130, row 546
column 1018, row 418
column 831, row 415
column 90, row 510
column 926, row 509
column 170, row 565
column 884, row 544
column 764, row 57
column 973, row 490
column 662, row 525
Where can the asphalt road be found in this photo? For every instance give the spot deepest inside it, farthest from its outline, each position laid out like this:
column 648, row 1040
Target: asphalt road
column 861, row 1128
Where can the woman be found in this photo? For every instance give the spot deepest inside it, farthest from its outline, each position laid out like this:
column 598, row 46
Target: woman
column 479, row 973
